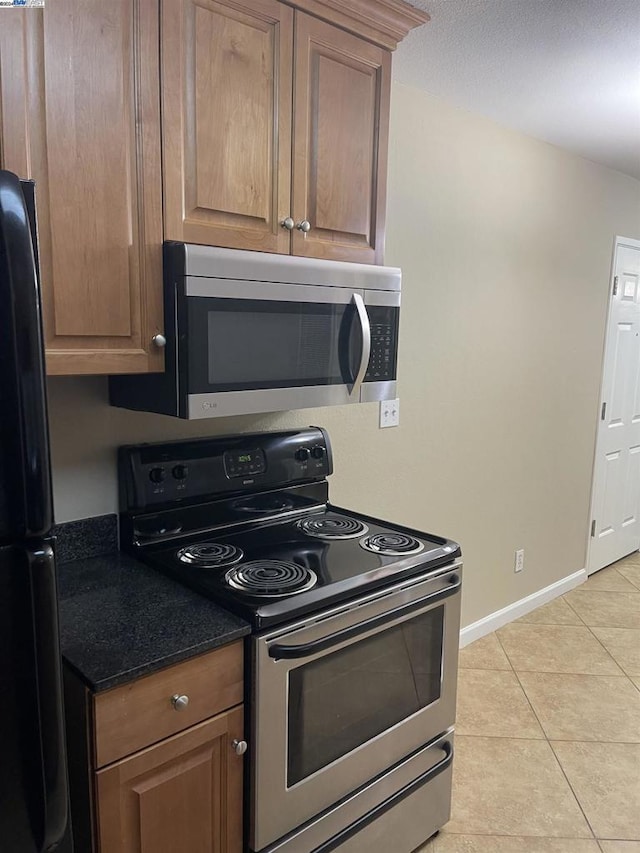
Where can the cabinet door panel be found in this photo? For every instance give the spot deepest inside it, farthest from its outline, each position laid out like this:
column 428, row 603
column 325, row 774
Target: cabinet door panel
column 226, row 74
column 184, row 793
column 94, row 151
column 18, row 28
column 340, row 143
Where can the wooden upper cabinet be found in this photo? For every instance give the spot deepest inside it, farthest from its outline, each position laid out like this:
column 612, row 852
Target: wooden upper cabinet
column 270, row 113
column 226, row 98
column 270, row 110
column 183, row 794
column 341, row 126
column 89, row 115
column 17, row 30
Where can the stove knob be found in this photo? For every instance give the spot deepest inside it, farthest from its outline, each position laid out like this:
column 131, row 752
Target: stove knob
column 157, row 475
column 317, row 452
column 180, row 472
column 302, row 454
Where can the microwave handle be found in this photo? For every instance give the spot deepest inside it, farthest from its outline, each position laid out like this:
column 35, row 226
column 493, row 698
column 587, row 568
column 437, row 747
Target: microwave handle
column 365, row 328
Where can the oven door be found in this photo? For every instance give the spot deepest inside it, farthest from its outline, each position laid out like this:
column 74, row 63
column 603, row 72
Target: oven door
column 346, row 695
column 262, row 346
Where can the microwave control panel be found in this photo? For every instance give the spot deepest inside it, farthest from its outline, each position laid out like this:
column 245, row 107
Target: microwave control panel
column 384, row 342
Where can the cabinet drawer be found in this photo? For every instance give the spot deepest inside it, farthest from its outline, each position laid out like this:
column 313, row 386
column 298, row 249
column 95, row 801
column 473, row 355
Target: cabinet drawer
column 133, row 716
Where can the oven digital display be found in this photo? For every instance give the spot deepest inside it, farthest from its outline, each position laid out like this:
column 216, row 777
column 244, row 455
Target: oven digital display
column 243, row 463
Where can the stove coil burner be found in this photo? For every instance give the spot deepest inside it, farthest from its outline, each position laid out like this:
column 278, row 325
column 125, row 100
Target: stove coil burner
column 392, row 544
column 210, row 555
column 332, row 527
column 271, row 578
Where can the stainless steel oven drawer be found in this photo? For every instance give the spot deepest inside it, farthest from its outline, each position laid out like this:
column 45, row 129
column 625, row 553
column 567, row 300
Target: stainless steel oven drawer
column 396, row 812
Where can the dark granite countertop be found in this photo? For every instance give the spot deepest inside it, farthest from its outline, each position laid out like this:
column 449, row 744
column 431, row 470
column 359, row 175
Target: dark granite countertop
column 120, row 620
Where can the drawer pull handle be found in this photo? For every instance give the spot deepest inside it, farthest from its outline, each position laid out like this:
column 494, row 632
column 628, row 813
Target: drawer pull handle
column 239, row 746
column 179, row 702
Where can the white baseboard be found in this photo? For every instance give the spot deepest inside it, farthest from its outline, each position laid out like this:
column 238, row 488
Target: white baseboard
column 519, row 608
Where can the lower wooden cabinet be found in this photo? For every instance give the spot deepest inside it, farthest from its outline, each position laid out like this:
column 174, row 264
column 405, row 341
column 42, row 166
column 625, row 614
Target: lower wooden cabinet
column 153, row 766
column 183, row 794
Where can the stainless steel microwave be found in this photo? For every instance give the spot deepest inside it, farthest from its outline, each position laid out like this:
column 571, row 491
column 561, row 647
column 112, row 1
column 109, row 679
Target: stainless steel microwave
column 250, row 332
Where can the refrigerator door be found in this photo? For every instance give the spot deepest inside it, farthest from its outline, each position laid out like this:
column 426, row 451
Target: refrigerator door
column 33, row 779
column 25, row 480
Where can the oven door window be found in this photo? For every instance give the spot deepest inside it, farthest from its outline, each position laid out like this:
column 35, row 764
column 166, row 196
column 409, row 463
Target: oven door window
column 345, row 698
column 246, row 344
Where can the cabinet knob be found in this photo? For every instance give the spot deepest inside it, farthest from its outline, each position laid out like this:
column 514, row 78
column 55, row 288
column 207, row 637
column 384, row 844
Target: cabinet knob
column 179, row 702
column 239, row 746
column 288, row 223
column 160, row 341
column 304, row 226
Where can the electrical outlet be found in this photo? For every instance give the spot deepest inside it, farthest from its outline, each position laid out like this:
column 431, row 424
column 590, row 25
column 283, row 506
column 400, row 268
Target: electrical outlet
column 518, row 565
column 389, row 413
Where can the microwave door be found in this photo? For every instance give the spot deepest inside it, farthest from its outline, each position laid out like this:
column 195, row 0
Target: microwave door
column 272, row 347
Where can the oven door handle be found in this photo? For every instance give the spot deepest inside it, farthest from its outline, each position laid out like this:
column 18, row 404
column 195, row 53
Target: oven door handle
column 281, row 652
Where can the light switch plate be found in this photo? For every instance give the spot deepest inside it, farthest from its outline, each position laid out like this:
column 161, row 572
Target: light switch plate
column 389, row 413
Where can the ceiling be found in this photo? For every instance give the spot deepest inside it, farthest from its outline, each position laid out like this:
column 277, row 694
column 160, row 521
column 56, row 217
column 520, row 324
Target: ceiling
column 565, row 71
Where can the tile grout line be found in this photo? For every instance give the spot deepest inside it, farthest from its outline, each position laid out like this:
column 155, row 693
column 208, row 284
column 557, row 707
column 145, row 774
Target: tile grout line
column 603, row 626
column 533, row 711
column 620, row 674
column 544, row 737
column 571, row 786
column 590, row 629
column 618, row 573
column 572, row 609
column 553, row 752
column 529, row 837
column 630, row 559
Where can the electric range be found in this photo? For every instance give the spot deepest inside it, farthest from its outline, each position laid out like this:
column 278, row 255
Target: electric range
column 353, row 657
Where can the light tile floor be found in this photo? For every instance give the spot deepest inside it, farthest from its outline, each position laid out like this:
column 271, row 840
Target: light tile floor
column 548, row 728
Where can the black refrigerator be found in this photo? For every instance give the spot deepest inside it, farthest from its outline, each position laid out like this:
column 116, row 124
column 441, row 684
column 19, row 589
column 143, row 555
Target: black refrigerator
column 33, row 773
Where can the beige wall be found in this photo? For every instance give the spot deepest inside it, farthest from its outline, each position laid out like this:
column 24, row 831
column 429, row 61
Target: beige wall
column 505, row 245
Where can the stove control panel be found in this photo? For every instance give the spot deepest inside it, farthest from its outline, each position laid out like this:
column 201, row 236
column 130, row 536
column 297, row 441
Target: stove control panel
column 244, row 463
column 173, row 472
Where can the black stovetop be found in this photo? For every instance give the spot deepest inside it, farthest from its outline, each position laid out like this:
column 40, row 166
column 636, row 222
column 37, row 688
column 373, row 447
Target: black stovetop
column 343, row 567
column 250, row 492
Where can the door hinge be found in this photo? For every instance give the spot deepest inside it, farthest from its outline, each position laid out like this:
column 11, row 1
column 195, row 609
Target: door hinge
column 615, row 285
column 593, row 528
column 603, row 412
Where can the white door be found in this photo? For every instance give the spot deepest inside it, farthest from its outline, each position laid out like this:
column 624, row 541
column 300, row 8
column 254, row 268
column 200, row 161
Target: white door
column 615, row 507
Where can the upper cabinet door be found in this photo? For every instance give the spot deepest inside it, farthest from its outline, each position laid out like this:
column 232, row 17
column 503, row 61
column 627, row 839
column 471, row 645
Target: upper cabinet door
column 226, row 83
column 341, row 125
column 85, row 84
